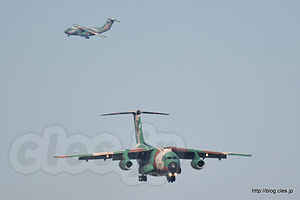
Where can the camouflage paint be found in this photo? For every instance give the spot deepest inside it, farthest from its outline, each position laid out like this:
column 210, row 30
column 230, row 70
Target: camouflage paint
column 139, row 136
column 124, row 161
column 153, row 160
column 87, row 32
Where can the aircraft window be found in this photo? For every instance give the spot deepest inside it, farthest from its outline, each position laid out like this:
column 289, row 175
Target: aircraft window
column 174, row 157
column 169, row 157
column 164, row 158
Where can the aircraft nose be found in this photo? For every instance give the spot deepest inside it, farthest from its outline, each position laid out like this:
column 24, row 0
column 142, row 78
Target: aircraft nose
column 66, row 31
column 173, row 167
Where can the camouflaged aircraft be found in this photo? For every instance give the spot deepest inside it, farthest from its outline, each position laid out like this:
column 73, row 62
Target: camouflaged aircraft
column 87, row 32
column 154, row 161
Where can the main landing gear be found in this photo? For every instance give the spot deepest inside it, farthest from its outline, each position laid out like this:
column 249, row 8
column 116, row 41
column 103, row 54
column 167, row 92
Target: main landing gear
column 171, row 178
column 86, row 37
column 142, row 178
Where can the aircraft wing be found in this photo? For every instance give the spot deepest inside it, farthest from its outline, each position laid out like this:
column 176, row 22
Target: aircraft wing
column 91, row 31
column 98, row 34
column 114, row 155
column 190, row 153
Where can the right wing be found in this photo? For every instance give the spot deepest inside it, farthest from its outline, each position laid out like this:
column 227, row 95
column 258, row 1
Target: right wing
column 114, row 155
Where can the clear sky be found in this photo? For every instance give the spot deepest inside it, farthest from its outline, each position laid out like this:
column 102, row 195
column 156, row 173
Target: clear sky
column 226, row 71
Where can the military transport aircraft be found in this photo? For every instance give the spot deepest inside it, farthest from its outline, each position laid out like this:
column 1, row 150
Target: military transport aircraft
column 87, row 32
column 154, row 161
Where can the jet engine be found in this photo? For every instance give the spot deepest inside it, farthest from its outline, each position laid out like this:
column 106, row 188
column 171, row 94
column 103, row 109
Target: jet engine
column 125, row 164
column 197, row 164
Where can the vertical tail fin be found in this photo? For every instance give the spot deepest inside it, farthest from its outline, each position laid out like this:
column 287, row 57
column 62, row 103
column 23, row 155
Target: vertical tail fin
column 139, row 136
column 108, row 24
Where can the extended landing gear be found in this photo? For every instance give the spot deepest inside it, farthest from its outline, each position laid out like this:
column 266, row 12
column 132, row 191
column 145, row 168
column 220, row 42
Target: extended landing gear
column 142, row 178
column 86, row 37
column 171, row 178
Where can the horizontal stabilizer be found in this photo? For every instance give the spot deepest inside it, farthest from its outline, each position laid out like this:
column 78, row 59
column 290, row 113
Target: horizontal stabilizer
column 134, row 112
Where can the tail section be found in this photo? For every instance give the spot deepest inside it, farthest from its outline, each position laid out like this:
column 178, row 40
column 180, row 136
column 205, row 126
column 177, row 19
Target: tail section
column 139, row 136
column 107, row 25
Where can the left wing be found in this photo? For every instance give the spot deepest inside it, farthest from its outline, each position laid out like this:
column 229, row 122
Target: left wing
column 190, row 153
column 97, row 34
column 89, row 30
column 94, row 32
column 114, row 155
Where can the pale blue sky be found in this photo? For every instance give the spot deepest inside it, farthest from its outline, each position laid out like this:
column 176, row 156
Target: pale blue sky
column 227, row 72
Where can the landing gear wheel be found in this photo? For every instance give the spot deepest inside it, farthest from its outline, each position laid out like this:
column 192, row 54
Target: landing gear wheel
column 87, row 37
column 142, row 178
column 171, row 179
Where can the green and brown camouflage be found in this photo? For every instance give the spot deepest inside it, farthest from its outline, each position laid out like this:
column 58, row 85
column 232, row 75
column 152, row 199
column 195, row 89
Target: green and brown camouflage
column 154, row 161
column 87, row 32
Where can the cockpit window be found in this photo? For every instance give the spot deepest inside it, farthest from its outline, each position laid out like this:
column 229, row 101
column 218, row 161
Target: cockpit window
column 169, row 157
column 174, row 157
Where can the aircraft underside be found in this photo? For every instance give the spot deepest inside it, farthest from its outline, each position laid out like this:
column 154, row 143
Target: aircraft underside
column 81, row 35
column 170, row 177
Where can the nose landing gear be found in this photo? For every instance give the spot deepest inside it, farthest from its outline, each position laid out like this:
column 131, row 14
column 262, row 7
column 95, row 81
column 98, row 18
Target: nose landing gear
column 142, row 178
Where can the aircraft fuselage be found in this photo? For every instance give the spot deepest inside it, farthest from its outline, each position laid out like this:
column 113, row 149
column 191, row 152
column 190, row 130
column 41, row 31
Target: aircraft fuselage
column 160, row 163
column 87, row 32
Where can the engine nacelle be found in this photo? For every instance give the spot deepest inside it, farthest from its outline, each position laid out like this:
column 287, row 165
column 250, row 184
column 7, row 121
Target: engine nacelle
column 126, row 164
column 197, row 164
